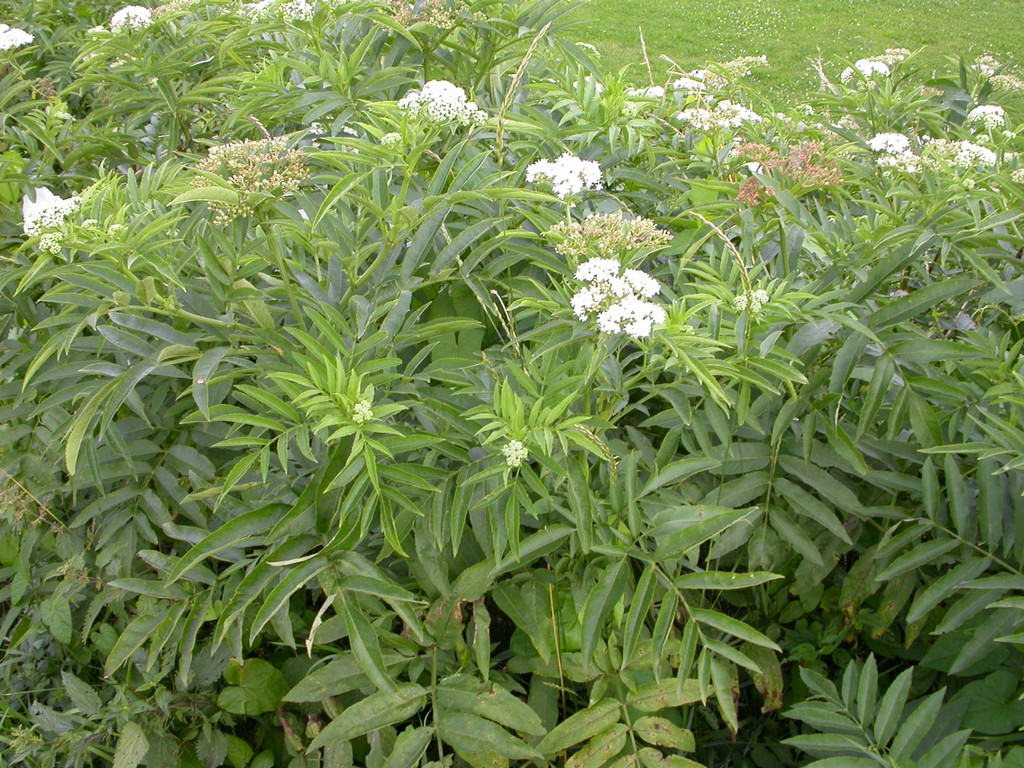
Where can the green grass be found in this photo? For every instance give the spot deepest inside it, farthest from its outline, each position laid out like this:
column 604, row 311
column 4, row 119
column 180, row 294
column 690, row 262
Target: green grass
column 792, row 32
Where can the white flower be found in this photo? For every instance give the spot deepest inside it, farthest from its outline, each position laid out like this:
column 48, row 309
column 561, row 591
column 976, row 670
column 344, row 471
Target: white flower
column 46, row 211
column 50, row 242
column 617, row 300
column 693, row 81
column 907, row 162
column 632, row 316
column 867, row 67
column 969, row 155
column 297, row 10
column 987, row 65
column 439, row 102
column 588, row 48
column 362, row 412
column 752, row 300
column 987, row 116
column 889, row 143
column 515, row 453
column 131, row 17
column 725, row 114
column 12, row 37
column 568, row 174
column 391, row 140
column 1018, row 176
column 650, row 92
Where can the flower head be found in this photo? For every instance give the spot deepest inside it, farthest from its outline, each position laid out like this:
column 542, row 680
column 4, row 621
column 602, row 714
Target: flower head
column 987, row 116
column 889, row 143
column 752, row 300
column 362, row 412
column 46, row 211
column 515, row 453
column 440, row 102
column 616, row 298
column 568, row 174
column 868, row 68
column 12, row 37
column 131, row 17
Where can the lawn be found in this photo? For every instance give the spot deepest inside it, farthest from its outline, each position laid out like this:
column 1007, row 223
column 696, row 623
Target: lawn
column 793, row 32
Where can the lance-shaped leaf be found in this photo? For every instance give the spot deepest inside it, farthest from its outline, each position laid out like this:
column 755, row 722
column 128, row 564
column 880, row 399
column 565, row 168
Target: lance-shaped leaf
column 474, row 734
column 581, row 726
column 374, row 712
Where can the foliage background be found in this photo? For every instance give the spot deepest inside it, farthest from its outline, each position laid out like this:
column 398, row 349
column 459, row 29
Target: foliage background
column 754, row 538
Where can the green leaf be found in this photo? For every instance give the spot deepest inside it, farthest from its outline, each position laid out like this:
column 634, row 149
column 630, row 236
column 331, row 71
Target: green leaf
column 599, row 605
column 228, row 535
column 260, row 688
column 919, row 301
column 581, row 726
column 82, row 695
column 664, row 733
column 465, row 694
column 922, row 554
column 132, row 746
column 733, row 627
column 55, row 612
column 678, row 471
column 600, row 749
column 409, row 747
column 474, row 734
column 208, row 194
column 365, row 646
column 890, row 710
column 724, row 580
column 679, row 543
column 372, row 713
column 665, row 694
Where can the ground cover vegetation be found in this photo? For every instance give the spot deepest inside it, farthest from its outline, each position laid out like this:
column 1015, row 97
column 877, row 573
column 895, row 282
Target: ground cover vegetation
column 390, row 386
column 793, row 33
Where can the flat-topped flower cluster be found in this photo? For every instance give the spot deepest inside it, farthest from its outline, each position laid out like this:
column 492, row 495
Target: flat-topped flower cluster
column 617, row 298
column 568, row 174
column 440, row 102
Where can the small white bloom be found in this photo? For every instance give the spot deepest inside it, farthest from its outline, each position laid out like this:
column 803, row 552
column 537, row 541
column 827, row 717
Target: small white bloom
column 632, row 316
column 889, row 143
column 987, row 65
column 969, row 155
column 690, row 83
column 987, row 116
column 50, row 242
column 362, row 412
column 391, row 140
column 46, row 211
column 297, row 10
column 12, row 37
column 752, row 300
column 515, row 453
column 598, row 270
column 650, row 92
column 568, row 175
column 440, row 102
column 907, row 162
column 1018, row 176
column 867, row 67
column 131, row 17
column 725, row 114
column 589, row 48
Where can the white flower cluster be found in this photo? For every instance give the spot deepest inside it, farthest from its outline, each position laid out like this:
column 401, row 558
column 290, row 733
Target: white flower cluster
column 890, row 143
column 50, row 242
column 568, row 174
column 515, row 453
column 867, row 67
column 391, row 140
column 296, row 10
column 969, row 155
column 651, row 92
column 1018, row 176
column 439, row 102
column 131, row 17
column 987, row 65
column 907, row 162
column 12, row 37
column 617, row 300
column 987, row 116
column 692, row 82
column 724, row 114
column 588, row 48
column 362, row 412
column 46, row 211
column 752, row 300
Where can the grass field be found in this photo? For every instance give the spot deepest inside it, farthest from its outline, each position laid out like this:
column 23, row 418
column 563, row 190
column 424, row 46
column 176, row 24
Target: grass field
column 791, row 32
